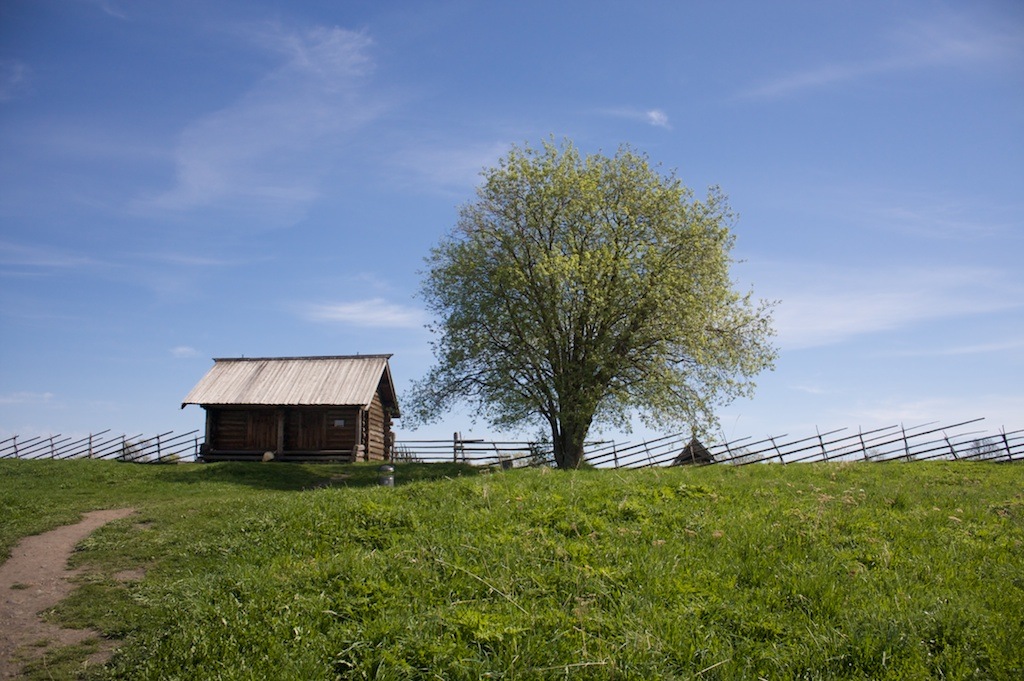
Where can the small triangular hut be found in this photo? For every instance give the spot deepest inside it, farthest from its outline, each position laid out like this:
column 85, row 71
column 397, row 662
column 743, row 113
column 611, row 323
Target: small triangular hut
column 693, row 453
column 336, row 408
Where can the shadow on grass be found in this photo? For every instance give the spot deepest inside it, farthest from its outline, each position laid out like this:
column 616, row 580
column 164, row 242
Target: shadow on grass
column 293, row 476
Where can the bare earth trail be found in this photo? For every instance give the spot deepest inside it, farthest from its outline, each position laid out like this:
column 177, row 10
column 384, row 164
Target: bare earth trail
column 36, row 577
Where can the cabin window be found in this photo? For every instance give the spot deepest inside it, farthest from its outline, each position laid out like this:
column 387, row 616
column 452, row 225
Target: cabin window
column 339, row 423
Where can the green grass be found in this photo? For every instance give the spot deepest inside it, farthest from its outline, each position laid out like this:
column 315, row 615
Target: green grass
column 855, row 571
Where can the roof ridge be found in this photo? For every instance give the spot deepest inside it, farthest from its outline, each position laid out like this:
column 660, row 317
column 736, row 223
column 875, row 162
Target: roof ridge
column 264, row 359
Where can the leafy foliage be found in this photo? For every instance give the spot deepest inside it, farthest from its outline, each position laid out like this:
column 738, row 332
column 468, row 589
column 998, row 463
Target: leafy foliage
column 579, row 290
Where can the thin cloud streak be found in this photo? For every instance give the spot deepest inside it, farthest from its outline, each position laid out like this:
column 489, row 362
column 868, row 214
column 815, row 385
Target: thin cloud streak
column 810, row 389
column 945, row 43
column 450, row 170
column 184, row 352
column 835, row 307
column 187, row 260
column 654, row 117
column 25, row 398
column 18, row 255
column 109, row 9
column 372, row 313
column 940, row 221
column 14, row 78
column 965, row 350
column 997, row 410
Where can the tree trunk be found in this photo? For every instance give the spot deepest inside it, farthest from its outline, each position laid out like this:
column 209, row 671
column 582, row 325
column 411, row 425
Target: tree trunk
column 568, row 445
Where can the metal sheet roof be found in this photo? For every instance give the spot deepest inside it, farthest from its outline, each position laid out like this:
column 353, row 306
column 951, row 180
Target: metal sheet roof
column 340, row 381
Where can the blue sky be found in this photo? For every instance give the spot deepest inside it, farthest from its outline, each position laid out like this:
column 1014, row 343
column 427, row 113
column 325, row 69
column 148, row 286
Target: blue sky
column 188, row 180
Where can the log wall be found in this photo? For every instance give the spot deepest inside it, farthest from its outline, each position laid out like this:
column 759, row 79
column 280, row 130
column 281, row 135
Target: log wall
column 375, row 431
column 334, row 431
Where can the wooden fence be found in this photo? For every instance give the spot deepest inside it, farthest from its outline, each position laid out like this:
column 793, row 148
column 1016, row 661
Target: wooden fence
column 958, row 441
column 161, row 448
column 892, row 443
column 509, row 454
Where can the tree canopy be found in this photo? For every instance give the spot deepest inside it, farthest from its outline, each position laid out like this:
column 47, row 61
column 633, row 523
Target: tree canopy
column 579, row 290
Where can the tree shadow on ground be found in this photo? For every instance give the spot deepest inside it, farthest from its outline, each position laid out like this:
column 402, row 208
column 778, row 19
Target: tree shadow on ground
column 308, row 476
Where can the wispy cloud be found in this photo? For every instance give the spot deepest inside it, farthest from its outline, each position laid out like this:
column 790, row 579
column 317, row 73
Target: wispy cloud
column 940, row 219
column 25, row 398
column 375, row 312
column 656, row 117
column 184, row 352
column 885, row 209
column 28, row 256
column 265, row 153
column 942, row 42
column 191, row 260
column 810, row 389
column 820, row 76
column 963, row 350
column 821, row 308
column 108, row 8
column 450, row 169
column 997, row 411
column 14, row 78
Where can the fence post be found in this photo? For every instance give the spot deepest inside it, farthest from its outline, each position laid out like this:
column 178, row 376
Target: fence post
column 53, row 454
column 159, row 454
column 952, row 449
column 863, row 445
column 728, row 449
column 777, row 450
column 15, row 446
column 821, row 443
column 1006, row 444
column 615, row 454
column 906, row 445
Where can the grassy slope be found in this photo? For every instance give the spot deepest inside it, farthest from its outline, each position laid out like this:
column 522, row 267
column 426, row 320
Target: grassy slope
column 837, row 571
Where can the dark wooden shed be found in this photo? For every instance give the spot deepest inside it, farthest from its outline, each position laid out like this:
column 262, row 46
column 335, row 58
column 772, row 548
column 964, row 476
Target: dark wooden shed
column 693, row 453
column 298, row 408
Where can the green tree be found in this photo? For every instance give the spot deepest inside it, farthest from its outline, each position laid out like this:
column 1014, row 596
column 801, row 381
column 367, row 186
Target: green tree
column 578, row 290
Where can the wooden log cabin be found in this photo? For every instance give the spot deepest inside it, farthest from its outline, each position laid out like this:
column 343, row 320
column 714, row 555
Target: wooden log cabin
column 297, row 408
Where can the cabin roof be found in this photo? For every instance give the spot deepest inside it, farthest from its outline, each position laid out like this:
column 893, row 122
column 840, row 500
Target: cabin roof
column 344, row 380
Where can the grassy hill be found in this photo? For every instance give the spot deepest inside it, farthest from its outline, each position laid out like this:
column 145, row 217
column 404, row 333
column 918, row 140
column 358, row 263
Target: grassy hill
column 804, row 571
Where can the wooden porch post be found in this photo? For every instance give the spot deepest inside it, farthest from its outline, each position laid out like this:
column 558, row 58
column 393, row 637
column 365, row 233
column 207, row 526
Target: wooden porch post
column 360, row 447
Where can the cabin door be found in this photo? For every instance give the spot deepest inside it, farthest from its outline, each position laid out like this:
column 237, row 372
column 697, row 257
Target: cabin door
column 261, row 433
column 306, row 431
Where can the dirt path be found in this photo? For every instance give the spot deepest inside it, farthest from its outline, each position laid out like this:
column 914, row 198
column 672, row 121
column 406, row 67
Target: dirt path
column 35, row 578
